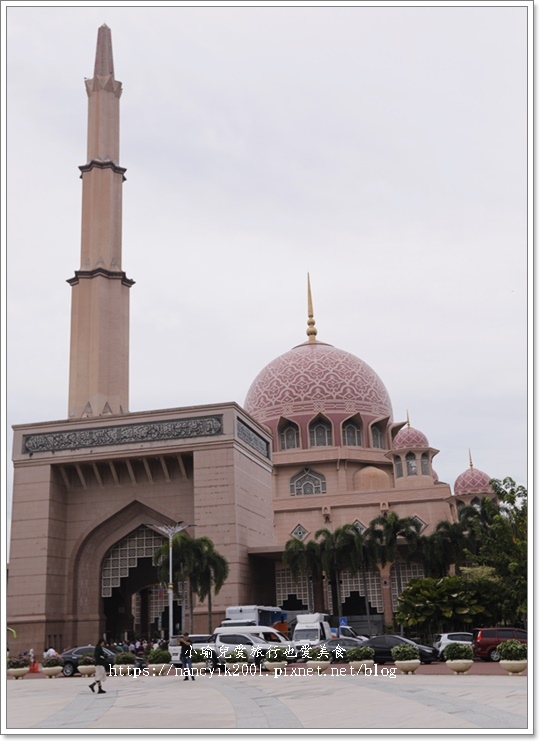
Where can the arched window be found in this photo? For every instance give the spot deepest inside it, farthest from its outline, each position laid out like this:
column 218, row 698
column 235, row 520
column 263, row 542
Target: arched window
column 424, row 462
column 289, row 436
column 399, row 466
column 377, row 437
column 320, row 433
column 351, row 433
column 412, row 470
column 307, row 482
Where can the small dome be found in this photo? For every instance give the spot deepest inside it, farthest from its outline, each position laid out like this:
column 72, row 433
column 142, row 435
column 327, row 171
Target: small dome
column 408, row 437
column 473, row 481
column 316, row 377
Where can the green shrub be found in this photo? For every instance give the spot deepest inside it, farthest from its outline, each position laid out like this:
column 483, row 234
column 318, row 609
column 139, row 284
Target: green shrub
column 159, row 656
column 198, row 656
column 405, row 652
column 52, row 661
column 87, row 660
column 125, row 657
column 276, row 654
column 360, row 653
column 19, row 662
column 455, row 651
column 512, row 650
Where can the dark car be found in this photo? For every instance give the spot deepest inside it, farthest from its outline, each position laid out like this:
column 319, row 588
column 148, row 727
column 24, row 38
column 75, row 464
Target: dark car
column 337, row 647
column 73, row 656
column 486, row 640
column 383, row 645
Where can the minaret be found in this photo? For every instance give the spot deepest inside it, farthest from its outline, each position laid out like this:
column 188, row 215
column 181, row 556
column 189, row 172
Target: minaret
column 99, row 355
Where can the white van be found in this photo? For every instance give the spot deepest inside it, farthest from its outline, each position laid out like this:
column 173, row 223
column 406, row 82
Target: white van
column 268, row 634
column 311, row 629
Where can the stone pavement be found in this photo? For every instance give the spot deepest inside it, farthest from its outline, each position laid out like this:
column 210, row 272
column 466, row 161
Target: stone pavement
column 347, row 703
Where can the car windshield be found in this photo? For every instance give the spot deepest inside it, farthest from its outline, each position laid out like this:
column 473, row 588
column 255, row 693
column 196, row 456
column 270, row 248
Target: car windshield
column 306, row 635
column 257, row 639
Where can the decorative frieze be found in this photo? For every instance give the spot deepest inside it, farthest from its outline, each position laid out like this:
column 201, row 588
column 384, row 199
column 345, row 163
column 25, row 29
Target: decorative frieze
column 145, row 432
column 250, row 437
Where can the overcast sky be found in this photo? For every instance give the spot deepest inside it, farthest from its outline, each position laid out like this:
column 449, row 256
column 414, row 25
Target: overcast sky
column 382, row 149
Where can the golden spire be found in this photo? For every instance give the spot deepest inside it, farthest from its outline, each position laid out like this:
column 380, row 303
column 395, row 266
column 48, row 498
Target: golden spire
column 470, row 459
column 408, row 420
column 311, row 330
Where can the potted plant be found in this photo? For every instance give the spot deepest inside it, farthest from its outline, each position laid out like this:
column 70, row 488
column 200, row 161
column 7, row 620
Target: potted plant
column 458, row 657
column 406, row 657
column 276, row 658
column 87, row 665
column 18, row 667
column 361, row 658
column 158, row 661
column 52, row 666
column 238, row 657
column 513, row 656
column 123, row 662
column 318, row 657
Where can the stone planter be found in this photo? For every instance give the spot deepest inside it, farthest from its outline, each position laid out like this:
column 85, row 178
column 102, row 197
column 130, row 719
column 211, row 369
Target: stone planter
column 197, row 666
column 236, row 666
column 360, row 666
column 123, row 670
column 87, row 670
column 273, row 665
column 52, row 671
column 317, row 666
column 160, row 670
column 514, row 666
column 408, row 667
column 18, row 673
column 459, row 666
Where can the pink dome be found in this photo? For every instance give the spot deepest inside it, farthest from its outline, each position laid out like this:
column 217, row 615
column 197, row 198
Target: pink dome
column 408, row 437
column 473, row 481
column 316, row 377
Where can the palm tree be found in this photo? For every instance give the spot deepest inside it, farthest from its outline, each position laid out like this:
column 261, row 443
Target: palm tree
column 304, row 559
column 184, row 561
column 385, row 531
column 212, row 570
column 364, row 559
column 335, row 552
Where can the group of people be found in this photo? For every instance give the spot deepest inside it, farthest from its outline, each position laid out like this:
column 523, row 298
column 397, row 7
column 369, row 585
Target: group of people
column 139, row 647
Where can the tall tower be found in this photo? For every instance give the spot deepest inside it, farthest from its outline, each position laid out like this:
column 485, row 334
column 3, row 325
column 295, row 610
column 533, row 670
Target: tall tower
column 99, row 354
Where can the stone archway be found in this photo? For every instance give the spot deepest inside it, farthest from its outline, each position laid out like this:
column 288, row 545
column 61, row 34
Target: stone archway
column 87, row 618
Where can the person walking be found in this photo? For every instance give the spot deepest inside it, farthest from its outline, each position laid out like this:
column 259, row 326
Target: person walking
column 100, row 658
column 185, row 656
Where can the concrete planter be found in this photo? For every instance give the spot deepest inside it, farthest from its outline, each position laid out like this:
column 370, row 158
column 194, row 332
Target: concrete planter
column 514, row 666
column 160, row 670
column 273, row 665
column 87, row 671
column 18, row 673
column 408, row 667
column 123, row 670
column 52, row 671
column 459, row 666
column 317, row 666
column 361, row 665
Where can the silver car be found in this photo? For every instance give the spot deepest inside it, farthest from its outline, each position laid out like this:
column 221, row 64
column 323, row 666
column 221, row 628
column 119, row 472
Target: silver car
column 442, row 640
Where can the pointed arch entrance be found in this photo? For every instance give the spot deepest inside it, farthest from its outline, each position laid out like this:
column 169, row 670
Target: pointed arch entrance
column 114, row 562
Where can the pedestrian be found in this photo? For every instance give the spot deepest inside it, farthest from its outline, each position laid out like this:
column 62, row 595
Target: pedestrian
column 101, row 662
column 185, row 656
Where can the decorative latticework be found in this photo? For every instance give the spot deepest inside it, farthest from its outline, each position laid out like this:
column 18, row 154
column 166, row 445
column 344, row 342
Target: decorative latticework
column 355, row 583
column 286, row 585
column 407, row 571
column 307, row 482
column 142, row 543
column 299, row 532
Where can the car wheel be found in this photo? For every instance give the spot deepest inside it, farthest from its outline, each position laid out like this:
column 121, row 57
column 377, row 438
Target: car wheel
column 68, row 670
column 211, row 662
column 493, row 655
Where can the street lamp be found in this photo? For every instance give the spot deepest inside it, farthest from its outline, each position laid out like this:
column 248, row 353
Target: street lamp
column 170, row 531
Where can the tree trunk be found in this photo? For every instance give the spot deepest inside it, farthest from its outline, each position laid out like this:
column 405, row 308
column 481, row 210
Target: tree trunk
column 366, row 598
column 210, row 628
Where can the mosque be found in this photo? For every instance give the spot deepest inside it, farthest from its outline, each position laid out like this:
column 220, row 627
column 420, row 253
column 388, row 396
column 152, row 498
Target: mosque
column 314, row 445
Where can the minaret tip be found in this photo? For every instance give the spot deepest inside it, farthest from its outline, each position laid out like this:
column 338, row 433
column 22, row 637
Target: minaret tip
column 408, row 420
column 104, row 58
column 470, row 459
column 311, row 330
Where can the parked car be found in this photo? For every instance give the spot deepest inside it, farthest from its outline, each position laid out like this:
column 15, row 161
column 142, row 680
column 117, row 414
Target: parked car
column 442, row 640
column 337, row 647
column 225, row 643
column 383, row 646
column 486, row 640
column 73, row 656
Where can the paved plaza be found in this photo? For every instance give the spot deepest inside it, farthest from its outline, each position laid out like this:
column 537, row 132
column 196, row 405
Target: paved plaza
column 315, row 703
